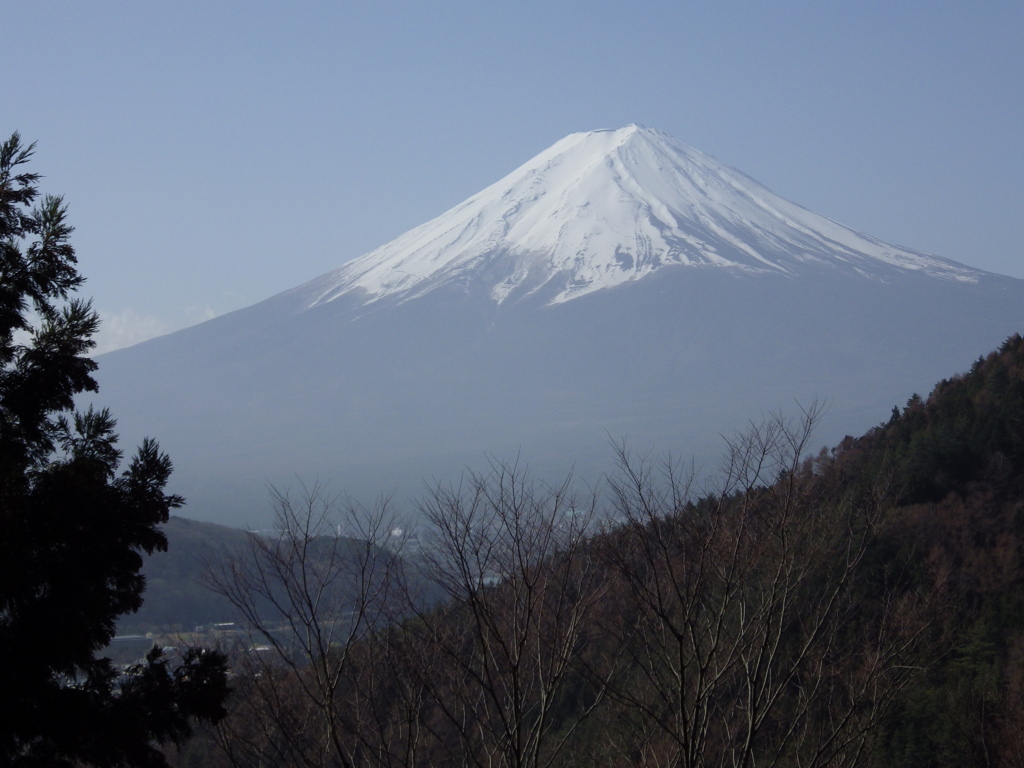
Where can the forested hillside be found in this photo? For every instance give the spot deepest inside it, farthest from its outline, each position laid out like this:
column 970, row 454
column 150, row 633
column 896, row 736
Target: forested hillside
column 860, row 606
column 176, row 596
column 956, row 460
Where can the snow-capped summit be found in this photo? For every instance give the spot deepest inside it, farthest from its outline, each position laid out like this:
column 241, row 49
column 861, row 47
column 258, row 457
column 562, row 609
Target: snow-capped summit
column 606, row 207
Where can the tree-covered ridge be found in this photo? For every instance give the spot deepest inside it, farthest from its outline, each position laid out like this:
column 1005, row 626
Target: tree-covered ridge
column 956, row 529
column 967, row 435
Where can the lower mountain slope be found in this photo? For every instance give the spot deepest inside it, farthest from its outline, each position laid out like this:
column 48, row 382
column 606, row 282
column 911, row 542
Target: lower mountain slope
column 372, row 397
column 177, row 599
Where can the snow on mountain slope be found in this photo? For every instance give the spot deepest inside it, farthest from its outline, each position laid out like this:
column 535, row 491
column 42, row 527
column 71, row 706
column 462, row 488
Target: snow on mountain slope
column 602, row 208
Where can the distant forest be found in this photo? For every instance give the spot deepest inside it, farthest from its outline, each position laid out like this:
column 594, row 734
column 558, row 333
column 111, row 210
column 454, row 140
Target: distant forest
column 857, row 606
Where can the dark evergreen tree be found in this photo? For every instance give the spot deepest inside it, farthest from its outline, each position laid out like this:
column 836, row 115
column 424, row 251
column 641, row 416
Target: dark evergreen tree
column 73, row 522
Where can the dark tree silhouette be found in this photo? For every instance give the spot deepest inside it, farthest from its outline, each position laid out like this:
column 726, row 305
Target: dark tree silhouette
column 73, row 523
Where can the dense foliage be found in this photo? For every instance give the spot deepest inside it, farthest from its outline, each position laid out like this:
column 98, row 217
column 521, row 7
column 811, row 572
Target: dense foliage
column 967, row 435
column 74, row 523
column 957, row 463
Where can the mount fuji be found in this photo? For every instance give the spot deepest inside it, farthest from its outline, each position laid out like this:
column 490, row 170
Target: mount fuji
column 619, row 285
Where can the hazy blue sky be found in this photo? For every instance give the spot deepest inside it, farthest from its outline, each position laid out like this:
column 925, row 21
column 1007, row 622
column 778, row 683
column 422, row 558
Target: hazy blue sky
column 216, row 153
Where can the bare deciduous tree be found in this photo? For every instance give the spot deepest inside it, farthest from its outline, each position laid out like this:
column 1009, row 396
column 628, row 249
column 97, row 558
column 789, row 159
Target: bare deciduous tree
column 739, row 641
column 514, row 560
column 724, row 625
column 315, row 595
